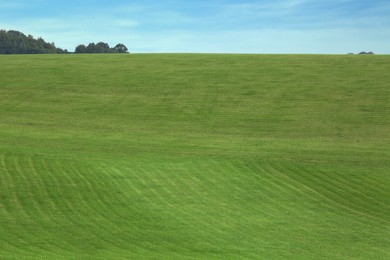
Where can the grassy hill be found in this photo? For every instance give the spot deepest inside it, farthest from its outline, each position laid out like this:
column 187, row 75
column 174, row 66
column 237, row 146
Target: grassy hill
column 188, row 156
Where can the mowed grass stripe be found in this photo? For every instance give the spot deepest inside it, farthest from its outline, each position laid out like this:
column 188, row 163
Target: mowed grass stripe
column 78, row 213
column 187, row 203
column 9, row 203
column 348, row 189
column 194, row 202
column 87, row 215
column 208, row 206
column 175, row 206
column 135, row 198
column 360, row 183
column 45, row 223
column 204, row 204
column 226, row 213
column 38, row 209
column 340, row 196
column 28, row 208
column 349, row 195
column 107, row 211
column 7, row 187
column 74, row 209
column 277, row 198
column 50, row 206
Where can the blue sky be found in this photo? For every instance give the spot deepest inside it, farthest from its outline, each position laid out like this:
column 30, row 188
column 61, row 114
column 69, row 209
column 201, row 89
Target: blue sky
column 212, row 26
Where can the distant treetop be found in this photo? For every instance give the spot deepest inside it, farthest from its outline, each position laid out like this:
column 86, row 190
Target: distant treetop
column 14, row 42
column 101, row 47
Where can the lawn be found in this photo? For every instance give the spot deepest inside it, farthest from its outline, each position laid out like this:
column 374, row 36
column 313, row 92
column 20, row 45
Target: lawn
column 194, row 156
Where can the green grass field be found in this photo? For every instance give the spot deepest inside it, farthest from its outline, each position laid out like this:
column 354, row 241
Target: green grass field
column 189, row 156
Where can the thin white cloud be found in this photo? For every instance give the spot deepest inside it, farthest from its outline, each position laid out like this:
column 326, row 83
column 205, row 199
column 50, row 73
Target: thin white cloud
column 293, row 3
column 266, row 7
column 133, row 8
column 11, row 5
column 125, row 23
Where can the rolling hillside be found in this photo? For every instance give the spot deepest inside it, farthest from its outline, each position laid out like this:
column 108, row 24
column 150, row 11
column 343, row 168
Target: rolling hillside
column 190, row 156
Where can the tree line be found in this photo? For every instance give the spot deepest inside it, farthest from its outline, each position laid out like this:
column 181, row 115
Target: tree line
column 15, row 42
column 101, row 47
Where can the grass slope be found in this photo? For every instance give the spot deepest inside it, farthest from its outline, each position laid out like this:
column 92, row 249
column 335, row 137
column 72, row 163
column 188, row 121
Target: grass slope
column 194, row 156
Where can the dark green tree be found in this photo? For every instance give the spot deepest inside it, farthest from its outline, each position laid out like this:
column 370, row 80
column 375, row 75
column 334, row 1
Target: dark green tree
column 101, row 47
column 81, row 49
column 15, row 42
column 120, row 48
